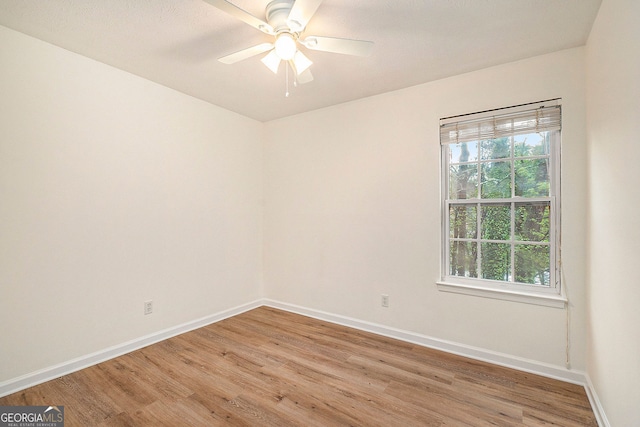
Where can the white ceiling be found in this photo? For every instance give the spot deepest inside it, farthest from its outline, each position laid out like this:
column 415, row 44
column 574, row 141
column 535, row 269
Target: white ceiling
column 177, row 43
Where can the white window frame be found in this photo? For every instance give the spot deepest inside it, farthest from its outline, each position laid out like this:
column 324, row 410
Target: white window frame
column 551, row 295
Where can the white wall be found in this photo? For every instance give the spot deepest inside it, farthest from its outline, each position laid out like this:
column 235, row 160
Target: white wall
column 113, row 191
column 613, row 88
column 353, row 210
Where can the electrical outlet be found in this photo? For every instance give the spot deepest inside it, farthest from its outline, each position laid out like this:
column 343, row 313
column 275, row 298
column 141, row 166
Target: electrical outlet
column 148, row 307
column 385, row 300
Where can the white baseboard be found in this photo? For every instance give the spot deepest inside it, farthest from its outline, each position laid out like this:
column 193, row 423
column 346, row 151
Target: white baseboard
column 557, row 372
column 34, row 378
column 596, row 405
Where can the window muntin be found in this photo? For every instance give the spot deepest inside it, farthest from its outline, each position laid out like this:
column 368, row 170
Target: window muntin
column 500, row 191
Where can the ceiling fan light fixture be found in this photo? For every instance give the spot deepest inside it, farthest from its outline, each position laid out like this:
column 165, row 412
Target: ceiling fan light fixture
column 272, row 61
column 285, row 46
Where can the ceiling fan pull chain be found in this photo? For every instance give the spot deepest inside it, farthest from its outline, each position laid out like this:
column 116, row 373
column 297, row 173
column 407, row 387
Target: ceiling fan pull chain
column 286, row 93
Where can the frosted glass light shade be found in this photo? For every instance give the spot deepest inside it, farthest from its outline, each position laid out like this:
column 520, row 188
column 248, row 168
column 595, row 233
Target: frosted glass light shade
column 301, row 62
column 285, row 46
column 272, row 61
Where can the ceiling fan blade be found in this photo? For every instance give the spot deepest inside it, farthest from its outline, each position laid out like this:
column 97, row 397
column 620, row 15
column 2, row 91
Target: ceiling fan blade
column 246, row 53
column 336, row 45
column 305, row 77
column 242, row 15
column 301, row 13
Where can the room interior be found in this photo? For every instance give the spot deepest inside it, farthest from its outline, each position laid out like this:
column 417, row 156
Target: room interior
column 210, row 196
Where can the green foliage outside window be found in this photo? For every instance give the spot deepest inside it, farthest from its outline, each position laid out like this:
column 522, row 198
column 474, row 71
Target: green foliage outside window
column 495, row 232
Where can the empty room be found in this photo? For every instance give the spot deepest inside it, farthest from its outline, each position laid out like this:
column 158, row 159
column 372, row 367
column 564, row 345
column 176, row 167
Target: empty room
column 319, row 212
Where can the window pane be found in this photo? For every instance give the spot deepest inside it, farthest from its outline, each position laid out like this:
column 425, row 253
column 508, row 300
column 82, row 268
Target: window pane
column 496, row 180
column 498, row 148
column 496, row 261
column 531, row 144
column 463, row 261
column 532, row 222
column 532, row 264
column 498, row 198
column 463, row 181
column 496, row 222
column 463, row 152
column 463, row 221
column 532, row 178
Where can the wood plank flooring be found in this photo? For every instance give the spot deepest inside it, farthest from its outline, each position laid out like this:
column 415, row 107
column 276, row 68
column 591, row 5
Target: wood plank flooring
column 268, row 367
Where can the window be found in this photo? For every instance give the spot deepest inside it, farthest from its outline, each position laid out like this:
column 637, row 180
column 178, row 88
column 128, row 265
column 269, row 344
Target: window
column 500, row 200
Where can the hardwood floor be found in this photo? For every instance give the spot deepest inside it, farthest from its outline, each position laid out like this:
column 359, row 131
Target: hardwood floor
column 268, row 367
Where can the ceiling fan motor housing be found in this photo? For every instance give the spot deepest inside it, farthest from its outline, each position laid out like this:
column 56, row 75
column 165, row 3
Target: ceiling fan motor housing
column 278, row 17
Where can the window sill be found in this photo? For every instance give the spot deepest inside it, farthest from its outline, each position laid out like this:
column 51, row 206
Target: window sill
column 547, row 300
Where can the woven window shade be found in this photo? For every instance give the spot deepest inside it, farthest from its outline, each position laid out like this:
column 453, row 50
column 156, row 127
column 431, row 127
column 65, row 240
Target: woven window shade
column 546, row 118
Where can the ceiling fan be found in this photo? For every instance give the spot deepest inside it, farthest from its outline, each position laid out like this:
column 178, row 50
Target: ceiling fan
column 286, row 21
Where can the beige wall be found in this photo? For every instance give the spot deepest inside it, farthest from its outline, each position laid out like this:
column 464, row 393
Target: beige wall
column 613, row 88
column 353, row 211
column 113, row 191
